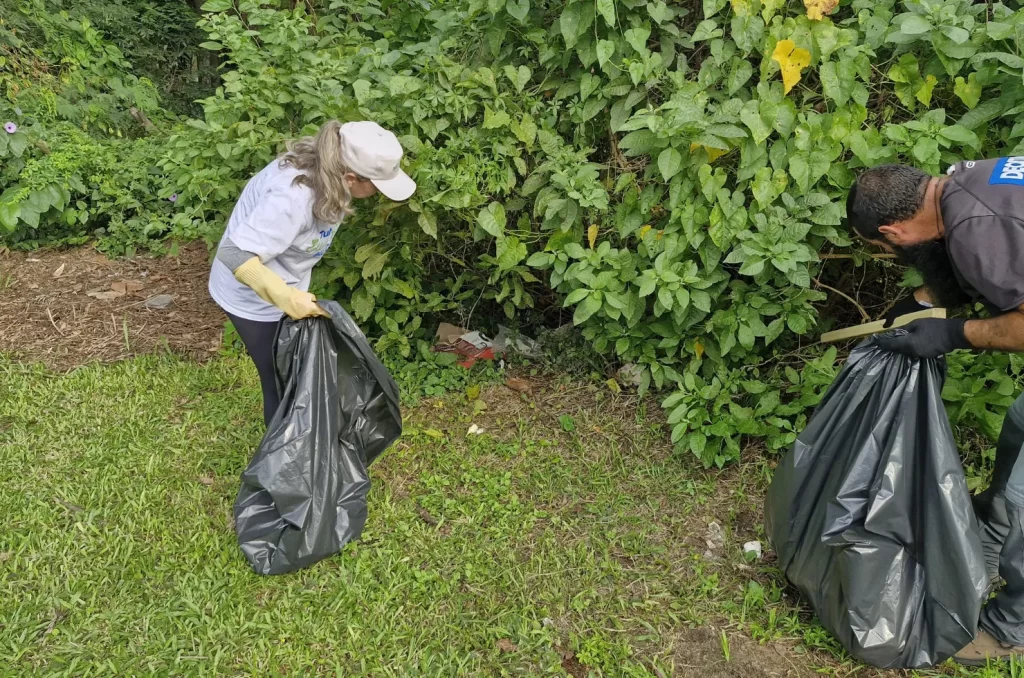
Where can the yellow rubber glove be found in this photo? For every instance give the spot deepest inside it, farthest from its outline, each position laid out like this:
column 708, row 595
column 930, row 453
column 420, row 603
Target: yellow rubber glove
column 296, row 304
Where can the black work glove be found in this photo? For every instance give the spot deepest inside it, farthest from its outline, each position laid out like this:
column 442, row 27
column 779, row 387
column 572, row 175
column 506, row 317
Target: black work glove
column 926, row 338
column 904, row 307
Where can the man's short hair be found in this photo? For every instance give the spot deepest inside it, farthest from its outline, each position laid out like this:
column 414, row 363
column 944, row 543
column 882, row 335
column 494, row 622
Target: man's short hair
column 883, row 196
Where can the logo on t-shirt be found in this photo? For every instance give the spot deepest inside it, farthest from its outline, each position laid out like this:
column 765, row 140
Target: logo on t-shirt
column 1008, row 171
column 320, row 242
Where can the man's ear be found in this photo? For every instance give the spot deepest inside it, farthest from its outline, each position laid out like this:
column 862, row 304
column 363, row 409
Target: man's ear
column 894, row 233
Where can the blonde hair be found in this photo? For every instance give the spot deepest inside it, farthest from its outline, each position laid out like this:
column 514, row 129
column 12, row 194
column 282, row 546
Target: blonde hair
column 323, row 170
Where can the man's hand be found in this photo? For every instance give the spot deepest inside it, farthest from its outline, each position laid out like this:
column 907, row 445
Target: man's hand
column 927, row 338
column 904, row 307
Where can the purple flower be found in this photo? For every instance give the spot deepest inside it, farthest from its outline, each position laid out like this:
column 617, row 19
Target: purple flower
column 10, row 128
column 174, row 197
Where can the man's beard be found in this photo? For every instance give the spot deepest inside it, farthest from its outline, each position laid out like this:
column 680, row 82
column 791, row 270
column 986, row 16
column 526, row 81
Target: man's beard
column 931, row 260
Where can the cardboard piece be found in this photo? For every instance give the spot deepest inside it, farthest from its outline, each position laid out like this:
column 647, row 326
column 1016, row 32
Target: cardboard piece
column 868, row 329
column 472, row 346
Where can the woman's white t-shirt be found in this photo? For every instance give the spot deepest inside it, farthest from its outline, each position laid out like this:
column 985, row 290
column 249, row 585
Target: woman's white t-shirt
column 274, row 220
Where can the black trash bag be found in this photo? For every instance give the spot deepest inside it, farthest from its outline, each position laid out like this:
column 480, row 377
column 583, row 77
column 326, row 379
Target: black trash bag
column 303, row 495
column 871, row 519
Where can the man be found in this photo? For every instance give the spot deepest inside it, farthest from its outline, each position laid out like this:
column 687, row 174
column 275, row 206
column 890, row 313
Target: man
column 965, row 234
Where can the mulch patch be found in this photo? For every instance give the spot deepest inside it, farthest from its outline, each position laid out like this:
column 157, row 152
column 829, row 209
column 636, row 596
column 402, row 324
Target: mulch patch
column 67, row 308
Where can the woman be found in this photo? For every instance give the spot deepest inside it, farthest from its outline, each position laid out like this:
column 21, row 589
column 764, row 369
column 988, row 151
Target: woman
column 285, row 221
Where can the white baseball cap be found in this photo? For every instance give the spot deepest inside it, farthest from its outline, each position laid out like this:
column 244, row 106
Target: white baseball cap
column 374, row 153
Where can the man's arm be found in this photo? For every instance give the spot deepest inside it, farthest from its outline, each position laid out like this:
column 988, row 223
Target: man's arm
column 1002, row 333
column 921, row 294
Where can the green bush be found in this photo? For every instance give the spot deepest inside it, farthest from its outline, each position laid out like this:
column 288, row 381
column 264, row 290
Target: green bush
column 84, row 160
column 669, row 173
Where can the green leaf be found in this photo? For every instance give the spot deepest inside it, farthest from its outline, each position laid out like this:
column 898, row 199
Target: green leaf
column 569, row 23
column 374, row 265
column 401, row 85
column 752, row 267
column 701, row 300
column 637, row 39
column 9, row 213
column 519, row 77
column 492, row 219
column 363, row 253
column 775, row 329
column 958, row 134
column 361, row 88
column 666, row 298
column 713, row 7
column 800, row 171
column 224, row 150
column 428, row 222
column 969, row 90
column 575, row 250
column 401, row 287
column 589, row 307
column 914, row 24
column 739, row 75
column 217, row 5
column 212, row 46
column 576, row 296
column 750, row 114
column 707, row 30
column 669, row 162
column 698, row 443
column 510, row 252
column 607, row 10
column 924, row 92
column 519, row 9
column 999, row 31
column 17, row 143
column 797, row 323
column 763, row 188
column 588, row 84
column 605, row 50
column 746, row 336
column 30, row 217
column 682, row 298
column 362, row 303
column 494, row 120
column 926, row 150
column 660, row 12
column 640, row 142
column 486, row 77
column 830, row 85
column 540, row 260
column 525, row 130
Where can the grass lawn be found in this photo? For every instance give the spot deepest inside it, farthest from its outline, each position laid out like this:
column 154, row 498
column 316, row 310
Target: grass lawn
column 527, row 551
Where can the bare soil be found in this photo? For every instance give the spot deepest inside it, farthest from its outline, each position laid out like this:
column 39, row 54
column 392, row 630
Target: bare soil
column 67, row 308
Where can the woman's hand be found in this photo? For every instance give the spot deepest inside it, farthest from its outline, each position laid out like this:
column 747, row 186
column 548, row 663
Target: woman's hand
column 295, row 303
column 298, row 305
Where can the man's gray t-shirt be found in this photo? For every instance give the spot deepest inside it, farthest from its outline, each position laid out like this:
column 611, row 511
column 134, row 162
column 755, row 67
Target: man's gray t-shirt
column 982, row 208
column 273, row 219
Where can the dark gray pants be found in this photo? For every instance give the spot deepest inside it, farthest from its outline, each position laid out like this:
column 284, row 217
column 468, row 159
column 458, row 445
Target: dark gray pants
column 1000, row 511
column 258, row 338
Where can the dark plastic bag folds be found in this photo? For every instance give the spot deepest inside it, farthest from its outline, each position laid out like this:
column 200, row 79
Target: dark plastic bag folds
column 303, row 495
column 871, row 518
